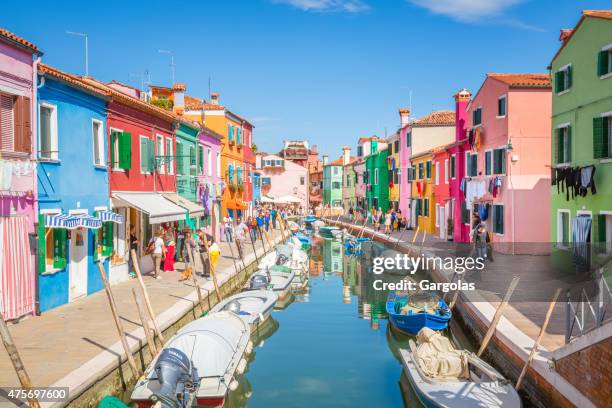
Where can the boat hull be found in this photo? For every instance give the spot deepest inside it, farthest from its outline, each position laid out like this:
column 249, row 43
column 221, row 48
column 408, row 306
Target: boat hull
column 412, row 323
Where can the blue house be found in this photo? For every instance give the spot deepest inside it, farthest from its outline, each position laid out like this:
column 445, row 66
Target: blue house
column 75, row 226
column 256, row 187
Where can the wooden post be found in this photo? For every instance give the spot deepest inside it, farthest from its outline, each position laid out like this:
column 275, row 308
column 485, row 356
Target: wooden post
column 400, row 238
column 259, row 230
column 11, row 349
column 118, row 325
column 253, row 245
column 539, row 339
column 193, row 277
column 416, row 234
column 497, row 316
column 213, row 272
column 145, row 325
column 145, row 294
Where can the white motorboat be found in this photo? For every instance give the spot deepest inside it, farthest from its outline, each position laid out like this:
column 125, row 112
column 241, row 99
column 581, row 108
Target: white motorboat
column 443, row 376
column 198, row 365
column 278, row 281
column 252, row 306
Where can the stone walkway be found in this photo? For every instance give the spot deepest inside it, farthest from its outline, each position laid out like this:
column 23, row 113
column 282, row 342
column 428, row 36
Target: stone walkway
column 57, row 346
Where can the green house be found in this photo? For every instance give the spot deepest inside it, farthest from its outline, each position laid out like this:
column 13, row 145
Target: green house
column 332, row 183
column 377, row 188
column 189, row 162
column 581, row 72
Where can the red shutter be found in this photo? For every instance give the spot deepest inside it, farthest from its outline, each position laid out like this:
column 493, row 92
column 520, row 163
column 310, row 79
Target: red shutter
column 18, row 120
column 7, row 128
column 26, row 128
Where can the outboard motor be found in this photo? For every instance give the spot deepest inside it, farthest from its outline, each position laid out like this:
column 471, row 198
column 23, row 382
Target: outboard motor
column 173, row 369
column 259, row 282
column 281, row 259
column 233, row 306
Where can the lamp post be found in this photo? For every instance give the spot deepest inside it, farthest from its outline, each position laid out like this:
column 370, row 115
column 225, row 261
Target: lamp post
column 86, row 48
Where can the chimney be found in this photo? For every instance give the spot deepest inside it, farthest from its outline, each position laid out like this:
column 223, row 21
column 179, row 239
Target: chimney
column 313, row 150
column 346, row 155
column 564, row 34
column 214, row 98
column 404, row 116
column 325, row 157
column 462, row 99
column 178, row 90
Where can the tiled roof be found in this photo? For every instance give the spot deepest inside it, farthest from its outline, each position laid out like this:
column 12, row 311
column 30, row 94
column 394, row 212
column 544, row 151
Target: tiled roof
column 605, row 14
column 523, row 80
column 337, row 162
column 436, row 118
column 192, row 103
column 213, row 106
column 44, row 69
column 21, row 41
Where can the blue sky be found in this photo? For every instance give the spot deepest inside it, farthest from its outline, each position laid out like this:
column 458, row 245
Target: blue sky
column 328, row 71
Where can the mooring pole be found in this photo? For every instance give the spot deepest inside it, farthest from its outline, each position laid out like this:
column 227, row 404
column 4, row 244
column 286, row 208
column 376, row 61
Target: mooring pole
column 146, row 296
column 145, row 325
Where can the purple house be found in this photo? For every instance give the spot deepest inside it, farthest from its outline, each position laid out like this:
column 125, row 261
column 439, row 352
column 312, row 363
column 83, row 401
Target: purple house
column 210, row 182
column 18, row 67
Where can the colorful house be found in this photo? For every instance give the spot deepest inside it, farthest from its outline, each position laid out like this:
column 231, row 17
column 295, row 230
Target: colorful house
column 359, row 168
column 142, row 168
column 456, row 169
column 348, row 180
column 282, row 178
column 210, row 183
column 582, row 131
column 332, row 182
column 405, row 136
column 18, row 119
column 377, row 190
column 75, row 226
column 256, row 187
column 394, row 170
column 423, row 199
column 248, row 158
column 507, row 165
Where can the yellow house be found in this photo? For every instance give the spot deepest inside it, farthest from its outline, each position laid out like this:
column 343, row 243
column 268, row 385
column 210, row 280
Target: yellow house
column 423, row 198
column 393, row 165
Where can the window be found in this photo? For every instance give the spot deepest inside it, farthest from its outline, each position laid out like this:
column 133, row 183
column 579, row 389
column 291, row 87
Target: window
column 360, row 150
column 604, row 232
column 200, row 159
column 121, row 150
column 97, row 134
column 396, row 146
column 48, row 132
column 499, row 161
column 477, row 116
column 446, row 171
column 563, row 144
column 302, row 180
column 230, row 133
column 159, row 149
column 563, row 227
column 146, row 155
column 498, row 219
column 471, row 164
column 7, row 122
column 437, row 173
column 409, row 139
column 426, row 207
column 265, row 181
column 238, row 135
column 604, row 61
column 180, row 158
column 437, row 214
column 375, row 177
column 390, row 148
column 419, row 207
column 169, row 159
column 239, row 175
column 218, row 164
column 15, row 124
column 488, row 162
column 563, row 79
column 208, row 161
column 421, row 171
column 336, row 185
column 411, row 172
column 453, row 161
column 428, row 169
column 465, row 213
column 335, row 170
column 602, row 137
column 52, row 244
column 501, row 106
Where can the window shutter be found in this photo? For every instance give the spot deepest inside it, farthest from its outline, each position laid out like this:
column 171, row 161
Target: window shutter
column 113, row 140
column 601, row 228
column 558, row 84
column 559, row 146
column 95, row 241
column 568, row 72
column 600, row 142
column 42, row 244
column 125, row 150
column 107, row 250
column 200, row 159
column 23, row 128
column 602, row 63
column 503, row 160
column 59, row 248
column 569, row 143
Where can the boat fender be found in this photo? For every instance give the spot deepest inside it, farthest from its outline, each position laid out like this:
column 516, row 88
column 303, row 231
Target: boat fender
column 241, row 366
column 261, row 343
column 249, row 348
column 261, row 318
column 233, row 385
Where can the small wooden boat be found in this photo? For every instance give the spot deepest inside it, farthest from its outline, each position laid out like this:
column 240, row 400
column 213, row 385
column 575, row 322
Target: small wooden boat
column 443, row 376
column 279, row 282
column 199, row 364
column 410, row 313
column 252, row 306
column 329, row 232
column 290, row 255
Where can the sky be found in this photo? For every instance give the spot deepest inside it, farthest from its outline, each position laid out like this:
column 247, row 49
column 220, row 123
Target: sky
column 326, row 71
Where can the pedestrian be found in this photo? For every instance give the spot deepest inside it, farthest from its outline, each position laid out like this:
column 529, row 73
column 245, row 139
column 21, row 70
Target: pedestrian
column 158, row 250
column 481, row 241
column 215, row 253
column 203, row 253
column 379, row 218
column 227, row 227
column 253, row 228
column 267, row 220
column 133, row 246
column 241, row 232
column 260, row 223
column 273, row 214
column 388, row 220
column 169, row 253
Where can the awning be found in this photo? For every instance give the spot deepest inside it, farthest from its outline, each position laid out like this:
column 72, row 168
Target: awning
column 236, row 204
column 266, row 199
column 155, row 205
column 195, row 210
column 287, row 199
column 105, row 216
column 69, row 221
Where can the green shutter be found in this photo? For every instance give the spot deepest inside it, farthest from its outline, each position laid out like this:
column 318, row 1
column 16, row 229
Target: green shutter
column 96, row 238
column 559, row 145
column 558, row 81
column 428, row 169
column 125, row 150
column 152, row 162
column 42, row 244
column 600, row 141
column 179, row 158
column 569, row 144
column 113, row 140
column 568, row 72
column 107, row 248
column 601, row 228
column 59, row 248
column 602, row 63
column 503, row 161
column 200, row 159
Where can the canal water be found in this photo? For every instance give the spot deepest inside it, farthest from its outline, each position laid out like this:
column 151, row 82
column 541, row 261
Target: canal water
column 330, row 347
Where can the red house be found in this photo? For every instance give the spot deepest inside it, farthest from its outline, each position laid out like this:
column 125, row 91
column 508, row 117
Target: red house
column 248, row 158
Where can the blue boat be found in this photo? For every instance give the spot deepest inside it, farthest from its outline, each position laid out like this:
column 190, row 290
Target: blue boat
column 309, row 220
column 410, row 313
column 304, row 238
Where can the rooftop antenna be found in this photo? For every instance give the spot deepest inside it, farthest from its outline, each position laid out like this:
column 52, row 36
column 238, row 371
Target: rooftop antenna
column 86, row 49
column 172, row 66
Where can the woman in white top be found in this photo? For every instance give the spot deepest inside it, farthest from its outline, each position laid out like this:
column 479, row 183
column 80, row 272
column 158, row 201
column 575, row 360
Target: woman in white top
column 158, row 251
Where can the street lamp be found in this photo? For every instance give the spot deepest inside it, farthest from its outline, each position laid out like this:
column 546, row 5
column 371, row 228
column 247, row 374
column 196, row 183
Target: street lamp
column 86, row 49
column 171, row 61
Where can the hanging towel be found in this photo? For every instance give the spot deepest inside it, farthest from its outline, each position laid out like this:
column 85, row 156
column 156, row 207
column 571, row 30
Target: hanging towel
column 483, row 211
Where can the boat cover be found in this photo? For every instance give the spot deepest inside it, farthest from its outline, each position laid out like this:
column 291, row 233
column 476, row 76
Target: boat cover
column 210, row 342
column 284, row 249
column 438, row 358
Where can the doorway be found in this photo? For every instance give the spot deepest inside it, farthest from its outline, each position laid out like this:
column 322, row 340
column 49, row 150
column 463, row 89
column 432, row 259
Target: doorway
column 442, row 222
column 77, row 282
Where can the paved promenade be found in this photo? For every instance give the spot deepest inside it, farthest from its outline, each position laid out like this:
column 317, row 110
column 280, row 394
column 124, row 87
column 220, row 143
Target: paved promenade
column 68, row 344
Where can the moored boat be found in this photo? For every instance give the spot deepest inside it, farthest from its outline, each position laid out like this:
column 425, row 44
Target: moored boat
column 279, row 282
column 444, row 377
column 329, row 231
column 252, row 306
column 198, row 365
column 410, row 313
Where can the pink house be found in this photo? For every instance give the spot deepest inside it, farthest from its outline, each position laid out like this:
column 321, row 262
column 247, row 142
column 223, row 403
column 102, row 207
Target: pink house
column 404, row 158
column 456, row 166
column 282, row 178
column 18, row 68
column 507, row 164
column 209, row 181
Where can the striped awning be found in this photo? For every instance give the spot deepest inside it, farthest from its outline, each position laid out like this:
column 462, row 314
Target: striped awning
column 70, row 221
column 105, row 216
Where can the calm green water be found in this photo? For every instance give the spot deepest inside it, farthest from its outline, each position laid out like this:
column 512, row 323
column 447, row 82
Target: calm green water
column 331, row 346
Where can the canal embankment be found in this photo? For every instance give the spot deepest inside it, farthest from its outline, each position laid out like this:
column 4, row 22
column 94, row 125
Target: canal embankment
column 515, row 333
column 77, row 345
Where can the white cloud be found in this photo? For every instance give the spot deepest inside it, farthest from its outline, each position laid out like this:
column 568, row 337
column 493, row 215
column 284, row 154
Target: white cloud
column 346, row 6
column 467, row 11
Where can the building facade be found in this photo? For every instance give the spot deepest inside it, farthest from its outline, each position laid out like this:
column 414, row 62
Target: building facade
column 210, row 182
column 332, row 182
column 377, row 190
column 405, row 188
column 423, row 198
column 456, row 168
column 281, row 179
column 394, row 170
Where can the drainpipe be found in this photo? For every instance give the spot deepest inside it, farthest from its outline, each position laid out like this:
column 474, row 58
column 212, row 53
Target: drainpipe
column 34, row 129
column 509, row 167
